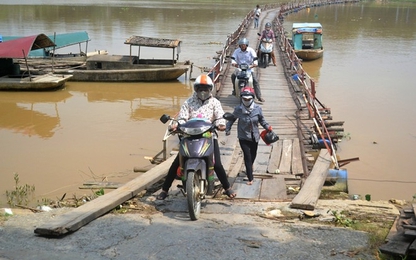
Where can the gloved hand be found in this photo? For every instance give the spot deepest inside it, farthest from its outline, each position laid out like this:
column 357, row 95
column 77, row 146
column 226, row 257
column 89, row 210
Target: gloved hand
column 270, row 128
column 227, row 133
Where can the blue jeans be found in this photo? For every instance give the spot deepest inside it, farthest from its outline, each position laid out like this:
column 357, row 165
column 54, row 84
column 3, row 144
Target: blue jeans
column 256, row 22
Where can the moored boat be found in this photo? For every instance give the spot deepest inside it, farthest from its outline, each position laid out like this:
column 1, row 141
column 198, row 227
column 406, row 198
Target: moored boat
column 133, row 68
column 65, row 46
column 70, row 50
column 12, row 78
column 307, row 40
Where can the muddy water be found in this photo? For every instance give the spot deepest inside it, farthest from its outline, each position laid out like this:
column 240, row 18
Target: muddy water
column 93, row 131
column 366, row 78
column 85, row 132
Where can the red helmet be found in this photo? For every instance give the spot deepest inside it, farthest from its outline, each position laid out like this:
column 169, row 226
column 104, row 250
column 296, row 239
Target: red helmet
column 247, row 91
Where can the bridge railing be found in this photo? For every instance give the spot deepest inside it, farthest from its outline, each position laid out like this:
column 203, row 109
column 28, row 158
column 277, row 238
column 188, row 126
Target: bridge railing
column 300, row 77
column 307, row 84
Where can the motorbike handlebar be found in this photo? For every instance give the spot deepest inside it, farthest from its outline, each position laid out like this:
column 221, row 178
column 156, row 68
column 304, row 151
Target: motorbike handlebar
column 173, row 127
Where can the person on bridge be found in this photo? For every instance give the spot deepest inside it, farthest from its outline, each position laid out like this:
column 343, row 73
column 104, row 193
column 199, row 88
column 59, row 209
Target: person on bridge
column 246, row 54
column 257, row 12
column 268, row 34
column 249, row 116
column 201, row 104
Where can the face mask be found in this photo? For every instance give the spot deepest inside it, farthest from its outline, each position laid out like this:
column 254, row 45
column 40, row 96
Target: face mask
column 246, row 102
column 203, row 95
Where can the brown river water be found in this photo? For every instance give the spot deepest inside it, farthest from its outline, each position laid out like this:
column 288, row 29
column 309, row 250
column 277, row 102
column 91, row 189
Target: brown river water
column 100, row 131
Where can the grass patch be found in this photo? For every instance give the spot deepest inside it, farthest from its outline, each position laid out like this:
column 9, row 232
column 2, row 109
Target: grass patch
column 21, row 195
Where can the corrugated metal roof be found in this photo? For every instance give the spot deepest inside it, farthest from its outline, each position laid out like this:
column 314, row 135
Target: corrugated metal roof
column 61, row 40
column 67, row 39
column 20, row 48
column 152, row 42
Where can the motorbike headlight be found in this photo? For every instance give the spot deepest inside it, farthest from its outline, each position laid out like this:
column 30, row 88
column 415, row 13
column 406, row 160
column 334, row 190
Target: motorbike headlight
column 194, row 130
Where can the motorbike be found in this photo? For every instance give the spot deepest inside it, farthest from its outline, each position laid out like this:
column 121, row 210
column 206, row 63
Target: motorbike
column 243, row 79
column 196, row 160
column 266, row 48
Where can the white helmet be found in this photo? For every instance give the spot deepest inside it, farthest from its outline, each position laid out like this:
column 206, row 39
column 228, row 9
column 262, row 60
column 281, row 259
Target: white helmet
column 243, row 41
column 268, row 26
column 203, row 86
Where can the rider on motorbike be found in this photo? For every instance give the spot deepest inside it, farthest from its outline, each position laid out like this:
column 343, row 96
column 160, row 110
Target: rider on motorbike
column 201, row 105
column 269, row 34
column 246, row 54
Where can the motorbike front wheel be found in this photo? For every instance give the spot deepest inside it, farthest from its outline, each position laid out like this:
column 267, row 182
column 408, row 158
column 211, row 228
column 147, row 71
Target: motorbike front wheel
column 265, row 60
column 192, row 195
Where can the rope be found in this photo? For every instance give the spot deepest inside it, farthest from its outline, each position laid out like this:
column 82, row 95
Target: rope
column 396, row 181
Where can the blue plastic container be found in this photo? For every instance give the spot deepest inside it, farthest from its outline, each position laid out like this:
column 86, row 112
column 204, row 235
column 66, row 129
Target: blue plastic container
column 340, row 177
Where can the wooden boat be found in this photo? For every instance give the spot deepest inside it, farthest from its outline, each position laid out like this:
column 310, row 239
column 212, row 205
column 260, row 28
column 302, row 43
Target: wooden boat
column 131, row 68
column 63, row 41
column 70, row 50
column 11, row 77
column 307, row 40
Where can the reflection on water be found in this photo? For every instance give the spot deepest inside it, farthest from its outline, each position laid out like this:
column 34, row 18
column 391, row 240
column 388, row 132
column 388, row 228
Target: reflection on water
column 313, row 68
column 31, row 113
column 145, row 100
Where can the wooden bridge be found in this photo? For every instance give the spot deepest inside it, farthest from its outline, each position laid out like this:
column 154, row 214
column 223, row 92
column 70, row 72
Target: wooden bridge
column 290, row 108
column 279, row 109
column 292, row 163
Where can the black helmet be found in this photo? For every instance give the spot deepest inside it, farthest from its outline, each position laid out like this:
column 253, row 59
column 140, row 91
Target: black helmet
column 243, row 41
column 269, row 137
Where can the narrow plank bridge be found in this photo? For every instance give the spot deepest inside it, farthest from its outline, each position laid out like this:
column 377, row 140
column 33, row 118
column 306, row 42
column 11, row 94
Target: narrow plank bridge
column 281, row 167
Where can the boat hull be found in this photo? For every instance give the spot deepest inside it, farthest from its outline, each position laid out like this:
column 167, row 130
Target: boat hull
column 34, row 82
column 148, row 73
column 309, row 54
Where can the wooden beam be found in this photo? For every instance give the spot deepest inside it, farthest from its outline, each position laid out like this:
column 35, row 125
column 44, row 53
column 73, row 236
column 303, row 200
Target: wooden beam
column 78, row 217
column 245, row 191
column 273, row 189
column 396, row 243
column 275, row 156
column 297, row 167
column 311, row 190
column 286, row 157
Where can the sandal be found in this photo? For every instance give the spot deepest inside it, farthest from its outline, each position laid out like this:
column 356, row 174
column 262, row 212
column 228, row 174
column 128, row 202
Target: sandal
column 230, row 193
column 162, row 195
column 250, row 182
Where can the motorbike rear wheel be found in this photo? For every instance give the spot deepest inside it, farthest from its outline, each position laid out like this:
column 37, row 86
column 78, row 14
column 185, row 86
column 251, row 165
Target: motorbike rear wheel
column 192, row 195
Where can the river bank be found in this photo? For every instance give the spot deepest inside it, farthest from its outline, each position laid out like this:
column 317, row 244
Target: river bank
column 145, row 228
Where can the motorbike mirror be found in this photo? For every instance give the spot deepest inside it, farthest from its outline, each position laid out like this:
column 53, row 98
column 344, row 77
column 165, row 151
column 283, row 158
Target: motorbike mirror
column 228, row 116
column 164, row 118
column 258, row 34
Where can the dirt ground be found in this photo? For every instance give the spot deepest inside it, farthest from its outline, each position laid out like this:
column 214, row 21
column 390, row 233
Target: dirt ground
column 145, row 228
